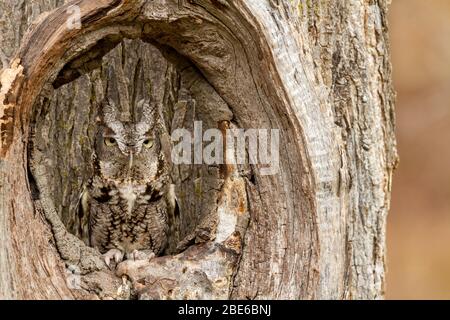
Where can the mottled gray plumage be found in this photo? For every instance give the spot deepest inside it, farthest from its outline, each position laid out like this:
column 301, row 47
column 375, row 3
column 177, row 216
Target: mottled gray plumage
column 128, row 198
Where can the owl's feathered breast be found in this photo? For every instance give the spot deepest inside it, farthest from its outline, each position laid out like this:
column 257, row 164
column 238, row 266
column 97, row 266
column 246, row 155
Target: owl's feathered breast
column 127, row 216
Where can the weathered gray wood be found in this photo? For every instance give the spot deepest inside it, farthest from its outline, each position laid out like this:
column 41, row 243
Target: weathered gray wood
column 318, row 71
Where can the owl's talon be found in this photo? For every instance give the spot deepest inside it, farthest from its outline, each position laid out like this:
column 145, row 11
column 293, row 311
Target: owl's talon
column 114, row 254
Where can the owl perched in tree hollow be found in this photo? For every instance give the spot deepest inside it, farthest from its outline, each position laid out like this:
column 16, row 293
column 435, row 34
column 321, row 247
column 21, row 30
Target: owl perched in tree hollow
column 128, row 199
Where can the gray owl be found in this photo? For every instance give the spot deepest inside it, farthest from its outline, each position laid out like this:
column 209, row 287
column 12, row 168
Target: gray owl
column 127, row 199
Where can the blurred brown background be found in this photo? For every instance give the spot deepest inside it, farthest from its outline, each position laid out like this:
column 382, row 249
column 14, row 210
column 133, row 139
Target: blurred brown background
column 419, row 222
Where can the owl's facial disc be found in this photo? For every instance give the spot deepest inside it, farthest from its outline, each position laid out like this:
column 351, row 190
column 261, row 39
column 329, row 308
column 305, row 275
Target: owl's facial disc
column 130, row 166
column 128, row 153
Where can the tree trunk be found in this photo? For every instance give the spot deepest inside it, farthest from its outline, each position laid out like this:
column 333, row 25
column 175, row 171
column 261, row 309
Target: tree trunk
column 319, row 71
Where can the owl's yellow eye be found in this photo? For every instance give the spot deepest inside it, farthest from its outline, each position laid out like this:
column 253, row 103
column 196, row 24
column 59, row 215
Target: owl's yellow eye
column 148, row 143
column 110, row 141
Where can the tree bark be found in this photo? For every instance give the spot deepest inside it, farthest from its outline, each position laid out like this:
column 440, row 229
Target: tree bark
column 317, row 70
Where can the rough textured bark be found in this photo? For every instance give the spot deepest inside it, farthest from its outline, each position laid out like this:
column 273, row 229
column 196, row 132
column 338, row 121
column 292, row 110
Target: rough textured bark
column 317, row 70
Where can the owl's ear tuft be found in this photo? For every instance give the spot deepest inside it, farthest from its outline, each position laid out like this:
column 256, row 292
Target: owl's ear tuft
column 108, row 112
column 148, row 112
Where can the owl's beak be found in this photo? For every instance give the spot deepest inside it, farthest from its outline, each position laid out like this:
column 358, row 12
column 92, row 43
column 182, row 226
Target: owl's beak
column 131, row 160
